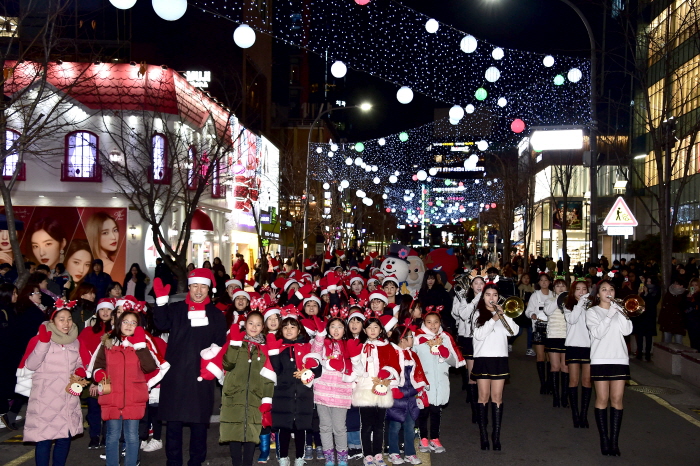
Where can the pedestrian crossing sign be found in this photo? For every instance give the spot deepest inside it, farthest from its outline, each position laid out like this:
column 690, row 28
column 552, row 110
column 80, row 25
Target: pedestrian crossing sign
column 620, row 215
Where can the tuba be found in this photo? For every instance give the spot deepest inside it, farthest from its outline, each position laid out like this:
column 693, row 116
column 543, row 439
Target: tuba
column 512, row 307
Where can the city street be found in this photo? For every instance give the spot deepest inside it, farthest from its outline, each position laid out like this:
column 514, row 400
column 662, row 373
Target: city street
column 533, row 431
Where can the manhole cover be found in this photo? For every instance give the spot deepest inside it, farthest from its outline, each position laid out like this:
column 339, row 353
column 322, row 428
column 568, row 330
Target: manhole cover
column 654, row 390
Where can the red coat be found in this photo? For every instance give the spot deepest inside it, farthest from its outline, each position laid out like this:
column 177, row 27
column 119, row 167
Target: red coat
column 126, row 369
column 240, row 270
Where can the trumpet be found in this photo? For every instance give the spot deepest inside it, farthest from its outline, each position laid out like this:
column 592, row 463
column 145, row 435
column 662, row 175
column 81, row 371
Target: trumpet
column 631, row 306
column 512, row 307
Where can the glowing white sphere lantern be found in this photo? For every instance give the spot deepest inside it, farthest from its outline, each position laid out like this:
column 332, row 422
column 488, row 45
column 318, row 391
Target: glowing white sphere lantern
column 244, row 36
column 574, row 75
column 497, row 53
column 338, row 69
column 492, row 74
column 548, row 61
column 404, row 95
column 432, row 26
column 170, row 10
column 468, row 44
column 122, row 4
column 456, row 113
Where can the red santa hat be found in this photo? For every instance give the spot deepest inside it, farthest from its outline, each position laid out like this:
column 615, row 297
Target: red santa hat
column 279, row 283
column 202, row 276
column 211, row 364
column 389, row 322
column 365, row 263
column 390, row 278
column 357, row 313
column 289, row 282
column 354, row 277
column 234, row 282
column 309, row 264
column 327, row 256
column 105, row 303
column 380, row 295
column 312, row 297
column 340, row 253
column 127, row 303
column 270, row 312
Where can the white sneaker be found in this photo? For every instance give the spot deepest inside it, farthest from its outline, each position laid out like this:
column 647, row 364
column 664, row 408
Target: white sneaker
column 510, row 348
column 530, row 352
column 395, row 459
column 143, row 444
column 379, row 460
column 368, row 460
column 299, row 462
column 153, row 445
column 413, row 459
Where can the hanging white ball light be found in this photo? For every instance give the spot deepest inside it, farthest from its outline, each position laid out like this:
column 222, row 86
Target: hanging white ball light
column 404, row 95
column 358, row 161
column 326, row 186
column 376, row 180
column 384, row 196
column 469, row 108
column 574, row 75
column 456, row 112
column 345, row 184
column 393, row 179
column 360, row 193
column 348, row 161
column 422, row 175
column 244, row 36
column 170, row 10
column 375, row 168
column 338, row 69
column 497, row 53
column 381, row 141
column 319, row 149
column 433, row 171
column 502, row 102
column 368, row 168
column 122, row 4
column 482, row 145
column 492, row 74
column 331, row 153
column 368, row 201
column 340, row 188
column 334, row 147
column 454, row 122
column 432, row 26
column 468, row 44
column 548, row 61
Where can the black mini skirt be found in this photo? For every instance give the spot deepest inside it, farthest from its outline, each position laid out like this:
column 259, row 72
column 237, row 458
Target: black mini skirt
column 578, row 355
column 467, row 347
column 600, row 372
column 555, row 345
column 490, row 368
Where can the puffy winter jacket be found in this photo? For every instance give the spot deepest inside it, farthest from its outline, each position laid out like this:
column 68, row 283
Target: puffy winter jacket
column 126, row 369
column 406, row 405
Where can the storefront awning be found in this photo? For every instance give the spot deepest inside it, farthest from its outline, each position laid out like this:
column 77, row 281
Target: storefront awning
column 201, row 221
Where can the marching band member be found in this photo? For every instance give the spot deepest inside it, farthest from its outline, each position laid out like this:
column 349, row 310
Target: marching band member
column 609, row 325
column 578, row 351
column 491, row 361
column 554, row 346
column 535, row 310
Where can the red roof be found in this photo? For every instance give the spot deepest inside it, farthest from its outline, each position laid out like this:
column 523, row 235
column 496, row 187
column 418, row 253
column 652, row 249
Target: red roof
column 121, row 86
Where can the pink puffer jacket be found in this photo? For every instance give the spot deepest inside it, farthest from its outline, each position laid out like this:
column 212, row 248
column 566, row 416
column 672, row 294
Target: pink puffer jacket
column 53, row 413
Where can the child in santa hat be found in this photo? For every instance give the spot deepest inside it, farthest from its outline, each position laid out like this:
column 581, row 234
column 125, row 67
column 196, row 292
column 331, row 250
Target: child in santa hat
column 405, row 411
column 296, row 367
column 248, row 387
column 376, row 365
column 437, row 351
column 356, row 321
column 333, row 390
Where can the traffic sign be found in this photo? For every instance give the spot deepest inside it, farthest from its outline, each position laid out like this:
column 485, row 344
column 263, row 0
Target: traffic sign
column 620, row 215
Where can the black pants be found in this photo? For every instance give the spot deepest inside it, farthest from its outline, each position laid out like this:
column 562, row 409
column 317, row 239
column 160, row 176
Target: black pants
column 372, row 432
column 150, row 418
column 285, row 438
column 242, row 453
column 313, row 435
column 198, row 443
column 434, row 412
column 647, row 344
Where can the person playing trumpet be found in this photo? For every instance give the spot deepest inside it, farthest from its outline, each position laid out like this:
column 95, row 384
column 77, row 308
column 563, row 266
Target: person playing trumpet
column 491, row 360
column 608, row 325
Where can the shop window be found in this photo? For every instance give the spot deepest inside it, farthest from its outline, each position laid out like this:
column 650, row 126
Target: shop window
column 217, row 190
column 12, row 159
column 192, row 168
column 81, row 163
column 160, row 172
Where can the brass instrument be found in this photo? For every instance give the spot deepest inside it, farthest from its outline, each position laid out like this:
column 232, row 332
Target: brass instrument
column 462, row 284
column 512, row 307
column 561, row 301
column 631, row 306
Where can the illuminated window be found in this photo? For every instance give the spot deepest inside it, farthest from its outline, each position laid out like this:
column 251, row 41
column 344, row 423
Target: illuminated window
column 159, row 158
column 81, row 157
column 12, row 157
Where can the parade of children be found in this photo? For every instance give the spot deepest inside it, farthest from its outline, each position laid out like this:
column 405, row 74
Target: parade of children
column 339, row 363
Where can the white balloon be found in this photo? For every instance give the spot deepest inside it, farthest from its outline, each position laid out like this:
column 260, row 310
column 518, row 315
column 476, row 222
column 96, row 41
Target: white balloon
column 502, row 102
column 497, row 53
column 122, row 4
column 404, row 95
column 393, row 179
column 244, row 36
column 548, row 61
column 574, row 75
column 492, row 74
column 170, row 10
column 469, row 108
column 345, row 184
column 482, row 145
column 338, row 69
column 456, row 112
column 468, row 44
column 432, row 26
column 422, row 175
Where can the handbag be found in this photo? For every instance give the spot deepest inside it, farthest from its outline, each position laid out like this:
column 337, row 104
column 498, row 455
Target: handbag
column 540, row 333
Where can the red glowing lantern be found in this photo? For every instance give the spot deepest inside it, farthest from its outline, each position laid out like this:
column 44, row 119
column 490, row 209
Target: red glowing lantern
column 388, row 210
column 493, row 205
column 461, row 184
column 415, row 177
column 518, row 125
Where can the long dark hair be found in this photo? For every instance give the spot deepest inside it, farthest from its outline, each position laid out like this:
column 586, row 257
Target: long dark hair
column 571, row 300
column 112, row 286
column 596, row 287
column 140, row 276
column 484, row 314
column 302, row 337
column 373, row 320
column 537, row 283
column 399, row 332
column 434, row 275
column 23, row 301
column 345, row 328
column 470, row 293
column 6, row 292
column 82, row 289
column 117, row 330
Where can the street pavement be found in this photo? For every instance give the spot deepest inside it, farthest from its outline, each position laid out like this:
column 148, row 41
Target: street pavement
column 657, row 429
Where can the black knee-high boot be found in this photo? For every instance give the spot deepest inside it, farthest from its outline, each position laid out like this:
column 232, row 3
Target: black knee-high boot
column 601, row 420
column 540, row 373
column 483, row 424
column 465, row 381
column 573, row 397
column 549, row 379
column 585, row 401
column 497, row 412
column 555, row 389
column 473, row 389
column 615, row 422
column 564, row 389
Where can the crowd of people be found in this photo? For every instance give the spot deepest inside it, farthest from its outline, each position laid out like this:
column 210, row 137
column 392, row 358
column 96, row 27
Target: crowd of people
column 331, row 354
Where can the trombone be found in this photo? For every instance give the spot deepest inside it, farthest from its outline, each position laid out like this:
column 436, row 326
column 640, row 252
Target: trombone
column 512, row 307
column 631, row 306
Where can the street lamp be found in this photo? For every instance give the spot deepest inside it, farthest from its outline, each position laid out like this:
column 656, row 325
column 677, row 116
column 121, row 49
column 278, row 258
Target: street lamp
column 365, row 106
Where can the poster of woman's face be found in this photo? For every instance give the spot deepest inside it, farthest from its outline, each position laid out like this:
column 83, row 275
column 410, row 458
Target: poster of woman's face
column 72, row 235
column 5, row 248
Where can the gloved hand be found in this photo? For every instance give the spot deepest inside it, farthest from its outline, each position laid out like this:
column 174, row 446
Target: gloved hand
column 396, row 393
column 336, row 364
column 273, row 344
column 383, row 374
column 44, row 334
column 161, row 291
column 236, row 335
column 99, row 375
column 138, row 339
column 80, row 372
column 318, row 323
column 266, row 411
column 354, row 347
column 444, row 352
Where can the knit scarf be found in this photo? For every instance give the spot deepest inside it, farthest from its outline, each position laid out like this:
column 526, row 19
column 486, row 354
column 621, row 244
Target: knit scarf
column 62, row 338
column 257, row 339
column 196, row 312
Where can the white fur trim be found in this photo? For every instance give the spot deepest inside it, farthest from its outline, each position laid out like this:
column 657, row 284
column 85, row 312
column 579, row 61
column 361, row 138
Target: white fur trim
column 394, row 373
column 236, row 343
column 209, row 353
column 269, row 374
column 155, row 380
column 216, row 370
column 349, row 378
column 391, row 323
column 199, row 322
column 313, row 298
column 357, row 314
column 196, row 314
column 162, row 301
column 200, row 280
column 266, row 400
column 317, row 357
column 332, row 287
column 104, row 305
column 273, row 352
column 233, row 281
column 364, row 397
column 241, row 293
column 140, row 345
column 354, row 279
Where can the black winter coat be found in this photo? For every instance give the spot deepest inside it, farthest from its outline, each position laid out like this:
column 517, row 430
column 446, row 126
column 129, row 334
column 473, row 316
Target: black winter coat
column 182, row 397
column 293, row 402
column 407, row 405
column 438, row 296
